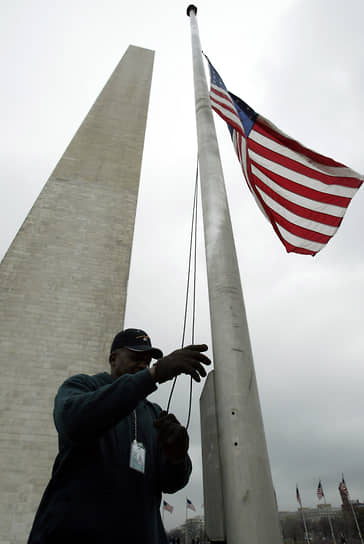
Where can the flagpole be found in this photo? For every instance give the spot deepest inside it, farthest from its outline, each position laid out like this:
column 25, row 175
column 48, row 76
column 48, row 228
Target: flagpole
column 356, row 522
column 250, row 510
column 298, row 497
column 353, row 511
column 305, row 527
column 186, row 539
column 329, row 519
column 351, row 505
column 328, row 514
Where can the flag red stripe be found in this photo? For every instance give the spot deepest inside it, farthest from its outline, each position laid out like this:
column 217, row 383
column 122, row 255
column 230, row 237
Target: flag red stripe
column 224, row 106
column 223, row 95
column 301, row 232
column 297, row 188
column 228, row 120
column 296, row 249
column 301, row 211
column 267, row 130
column 302, row 169
column 270, row 214
column 216, row 96
column 320, row 217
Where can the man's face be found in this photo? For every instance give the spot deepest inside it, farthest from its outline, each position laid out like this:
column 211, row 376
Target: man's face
column 125, row 361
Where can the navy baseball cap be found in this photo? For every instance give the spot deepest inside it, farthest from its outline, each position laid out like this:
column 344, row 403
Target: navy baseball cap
column 135, row 340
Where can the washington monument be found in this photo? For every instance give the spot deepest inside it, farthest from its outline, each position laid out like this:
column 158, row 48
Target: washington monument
column 63, row 283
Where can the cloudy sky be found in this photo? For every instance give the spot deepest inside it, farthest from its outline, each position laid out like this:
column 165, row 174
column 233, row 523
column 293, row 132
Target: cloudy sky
column 301, row 64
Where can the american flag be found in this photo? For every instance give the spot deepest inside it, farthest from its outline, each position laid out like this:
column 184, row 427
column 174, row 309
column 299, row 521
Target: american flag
column 304, row 195
column 298, row 497
column 343, row 489
column 320, row 491
column 190, row 505
column 167, row 507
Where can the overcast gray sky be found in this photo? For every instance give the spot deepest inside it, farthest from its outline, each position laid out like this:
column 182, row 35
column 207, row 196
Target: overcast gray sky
column 301, row 64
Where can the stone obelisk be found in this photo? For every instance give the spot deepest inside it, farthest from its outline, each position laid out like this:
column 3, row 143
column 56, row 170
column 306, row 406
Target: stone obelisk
column 63, row 283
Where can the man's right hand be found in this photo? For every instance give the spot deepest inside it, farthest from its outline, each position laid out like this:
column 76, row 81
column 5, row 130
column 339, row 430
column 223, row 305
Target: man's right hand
column 188, row 360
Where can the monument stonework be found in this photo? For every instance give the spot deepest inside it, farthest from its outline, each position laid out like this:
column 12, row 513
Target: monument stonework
column 63, row 283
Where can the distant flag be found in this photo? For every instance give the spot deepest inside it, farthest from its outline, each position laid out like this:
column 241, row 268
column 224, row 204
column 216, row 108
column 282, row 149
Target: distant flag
column 298, row 497
column 304, row 195
column 344, row 492
column 190, row 505
column 167, row 507
column 343, row 489
column 320, row 491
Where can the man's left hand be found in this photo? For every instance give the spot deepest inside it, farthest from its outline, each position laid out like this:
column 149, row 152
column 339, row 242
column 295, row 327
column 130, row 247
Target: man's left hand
column 172, row 436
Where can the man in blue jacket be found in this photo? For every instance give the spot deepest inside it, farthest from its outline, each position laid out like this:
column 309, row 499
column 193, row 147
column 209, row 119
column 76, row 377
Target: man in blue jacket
column 117, row 451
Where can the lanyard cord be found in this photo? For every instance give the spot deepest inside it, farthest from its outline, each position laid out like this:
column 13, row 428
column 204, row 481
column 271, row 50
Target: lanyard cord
column 193, row 248
column 134, row 425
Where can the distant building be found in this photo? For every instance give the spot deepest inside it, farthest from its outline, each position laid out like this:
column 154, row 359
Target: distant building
column 191, row 532
column 312, row 514
column 350, row 504
column 287, row 514
column 194, row 529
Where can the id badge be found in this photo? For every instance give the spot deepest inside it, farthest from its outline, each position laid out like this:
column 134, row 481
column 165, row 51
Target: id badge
column 137, row 456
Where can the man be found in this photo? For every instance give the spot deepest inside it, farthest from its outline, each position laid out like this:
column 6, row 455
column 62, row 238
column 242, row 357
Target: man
column 117, row 451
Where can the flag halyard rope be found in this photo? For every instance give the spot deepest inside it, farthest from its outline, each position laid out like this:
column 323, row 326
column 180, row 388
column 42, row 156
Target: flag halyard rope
column 192, row 259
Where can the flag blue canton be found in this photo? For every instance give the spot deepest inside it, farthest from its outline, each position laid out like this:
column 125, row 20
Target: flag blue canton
column 246, row 114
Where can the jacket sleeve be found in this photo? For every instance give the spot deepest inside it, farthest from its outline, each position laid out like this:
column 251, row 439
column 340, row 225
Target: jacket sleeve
column 83, row 413
column 172, row 476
